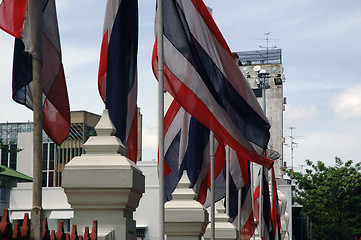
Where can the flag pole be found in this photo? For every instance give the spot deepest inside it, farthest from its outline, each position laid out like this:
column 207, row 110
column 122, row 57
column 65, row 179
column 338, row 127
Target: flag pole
column 160, row 116
column 35, row 10
column 239, row 223
column 211, row 158
column 227, row 179
column 252, row 192
column 36, row 211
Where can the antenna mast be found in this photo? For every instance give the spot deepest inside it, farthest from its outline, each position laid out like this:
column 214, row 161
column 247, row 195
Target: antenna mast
column 267, row 35
column 293, row 145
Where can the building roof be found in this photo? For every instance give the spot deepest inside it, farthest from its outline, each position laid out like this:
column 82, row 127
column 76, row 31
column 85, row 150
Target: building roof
column 270, row 56
column 6, row 172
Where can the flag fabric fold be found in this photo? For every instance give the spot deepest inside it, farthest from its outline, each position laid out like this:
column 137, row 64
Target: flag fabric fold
column 16, row 20
column 117, row 75
column 276, row 218
column 266, row 214
column 247, row 219
column 187, row 148
column 201, row 74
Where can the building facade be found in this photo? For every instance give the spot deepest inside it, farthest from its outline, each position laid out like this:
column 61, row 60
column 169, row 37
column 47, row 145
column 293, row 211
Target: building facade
column 264, row 72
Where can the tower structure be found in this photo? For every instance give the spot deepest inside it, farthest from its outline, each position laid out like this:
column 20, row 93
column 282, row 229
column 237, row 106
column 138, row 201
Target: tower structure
column 264, row 72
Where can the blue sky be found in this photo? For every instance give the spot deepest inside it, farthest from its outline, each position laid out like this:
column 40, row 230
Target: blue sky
column 320, row 46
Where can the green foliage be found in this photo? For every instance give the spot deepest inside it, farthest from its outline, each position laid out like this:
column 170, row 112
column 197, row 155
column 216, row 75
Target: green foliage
column 331, row 197
column 8, row 147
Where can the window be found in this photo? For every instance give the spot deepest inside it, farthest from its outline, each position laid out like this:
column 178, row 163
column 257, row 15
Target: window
column 4, row 156
column 44, row 179
column 140, row 233
column 13, row 156
column 45, row 156
column 3, row 193
column 9, row 155
column 48, row 164
column 51, row 179
column 52, row 151
column 257, row 92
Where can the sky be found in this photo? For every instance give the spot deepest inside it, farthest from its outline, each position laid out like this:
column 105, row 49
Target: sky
column 320, row 42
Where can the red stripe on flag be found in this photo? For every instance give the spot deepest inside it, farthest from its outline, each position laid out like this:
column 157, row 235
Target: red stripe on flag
column 248, row 229
column 102, row 74
column 202, row 114
column 219, row 161
column 12, row 15
column 56, row 113
column 132, row 144
column 170, row 115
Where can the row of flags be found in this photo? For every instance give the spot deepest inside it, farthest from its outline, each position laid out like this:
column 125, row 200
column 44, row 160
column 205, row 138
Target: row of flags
column 16, row 20
column 210, row 94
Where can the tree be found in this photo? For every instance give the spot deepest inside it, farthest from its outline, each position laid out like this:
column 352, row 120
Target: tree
column 331, row 197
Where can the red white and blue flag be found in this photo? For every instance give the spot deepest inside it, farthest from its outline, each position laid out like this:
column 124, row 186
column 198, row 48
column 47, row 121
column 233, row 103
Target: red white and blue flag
column 186, row 145
column 276, row 218
column 16, row 20
column 117, row 76
column 201, row 74
column 267, row 232
column 247, row 219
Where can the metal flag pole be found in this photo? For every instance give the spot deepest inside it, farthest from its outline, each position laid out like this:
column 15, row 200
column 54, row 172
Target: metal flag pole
column 211, row 158
column 34, row 8
column 252, row 191
column 160, row 116
column 239, row 223
column 227, row 178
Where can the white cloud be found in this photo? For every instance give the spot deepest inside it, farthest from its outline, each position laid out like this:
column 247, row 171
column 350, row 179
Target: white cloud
column 149, row 142
column 149, row 137
column 300, row 114
column 347, row 104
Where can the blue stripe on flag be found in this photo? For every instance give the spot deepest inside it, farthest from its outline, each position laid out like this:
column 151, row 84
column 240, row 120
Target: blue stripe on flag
column 22, row 73
column 172, row 156
column 197, row 142
column 122, row 65
column 249, row 123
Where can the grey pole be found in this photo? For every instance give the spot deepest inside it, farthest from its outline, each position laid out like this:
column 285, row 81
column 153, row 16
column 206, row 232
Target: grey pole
column 227, row 178
column 211, row 158
column 36, row 211
column 161, row 116
column 239, row 223
column 35, row 8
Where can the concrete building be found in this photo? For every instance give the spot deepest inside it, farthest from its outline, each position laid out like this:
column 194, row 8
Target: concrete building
column 264, row 72
column 9, row 179
column 82, row 125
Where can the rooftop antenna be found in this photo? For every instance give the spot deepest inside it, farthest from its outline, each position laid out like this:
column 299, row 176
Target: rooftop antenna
column 268, row 39
column 292, row 145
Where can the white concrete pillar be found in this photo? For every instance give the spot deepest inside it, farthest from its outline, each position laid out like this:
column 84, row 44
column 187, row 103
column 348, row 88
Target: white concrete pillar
column 185, row 218
column 223, row 228
column 102, row 184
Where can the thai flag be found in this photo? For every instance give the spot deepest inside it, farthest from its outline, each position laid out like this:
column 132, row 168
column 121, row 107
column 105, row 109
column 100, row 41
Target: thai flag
column 266, row 216
column 117, row 76
column 202, row 75
column 186, row 145
column 16, row 20
column 247, row 219
column 276, row 220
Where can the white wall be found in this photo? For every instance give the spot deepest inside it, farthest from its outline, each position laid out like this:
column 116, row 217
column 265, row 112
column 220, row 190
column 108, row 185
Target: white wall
column 25, row 156
column 147, row 214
